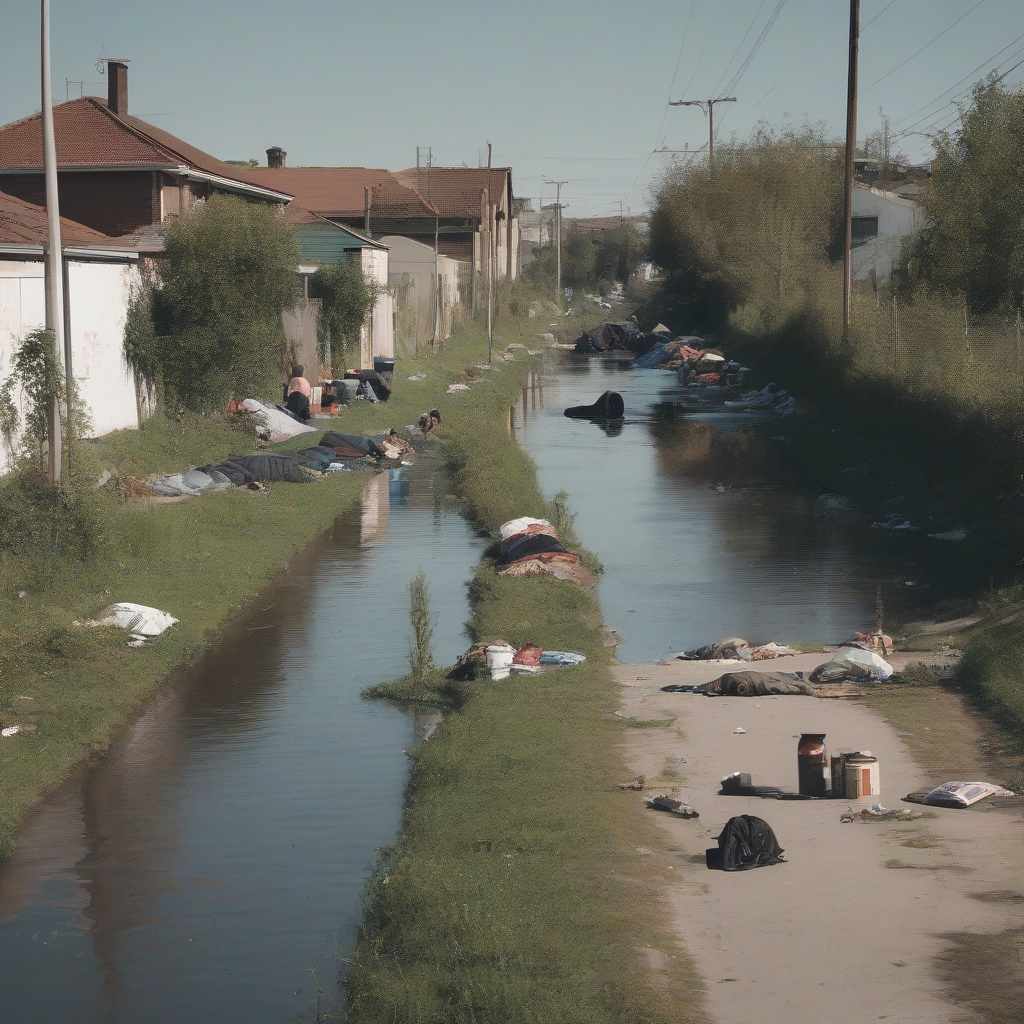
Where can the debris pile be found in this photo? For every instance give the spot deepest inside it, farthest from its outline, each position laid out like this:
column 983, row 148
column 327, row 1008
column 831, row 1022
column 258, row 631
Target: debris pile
column 530, row 547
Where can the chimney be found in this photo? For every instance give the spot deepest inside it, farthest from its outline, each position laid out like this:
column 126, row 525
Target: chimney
column 276, row 156
column 117, row 87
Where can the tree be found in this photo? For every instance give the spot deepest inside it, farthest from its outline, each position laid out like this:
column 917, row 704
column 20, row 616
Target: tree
column 974, row 244
column 347, row 297
column 227, row 274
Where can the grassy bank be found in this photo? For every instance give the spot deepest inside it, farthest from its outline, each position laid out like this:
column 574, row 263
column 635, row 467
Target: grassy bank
column 203, row 560
column 515, row 892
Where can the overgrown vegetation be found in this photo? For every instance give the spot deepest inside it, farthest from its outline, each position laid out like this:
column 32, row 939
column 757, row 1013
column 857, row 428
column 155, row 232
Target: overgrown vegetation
column 592, row 260
column 347, row 296
column 421, row 656
column 992, row 669
column 211, row 328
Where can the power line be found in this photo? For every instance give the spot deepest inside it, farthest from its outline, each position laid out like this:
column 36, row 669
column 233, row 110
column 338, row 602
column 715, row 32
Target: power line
column 742, row 41
column 735, row 80
column 923, row 48
column 878, row 15
column 962, row 80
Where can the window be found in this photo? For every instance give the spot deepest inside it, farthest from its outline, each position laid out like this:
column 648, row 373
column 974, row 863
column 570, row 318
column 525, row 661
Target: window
column 863, row 229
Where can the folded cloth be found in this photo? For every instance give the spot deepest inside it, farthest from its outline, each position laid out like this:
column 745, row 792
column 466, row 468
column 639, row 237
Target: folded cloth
column 528, row 654
column 561, row 658
column 521, row 525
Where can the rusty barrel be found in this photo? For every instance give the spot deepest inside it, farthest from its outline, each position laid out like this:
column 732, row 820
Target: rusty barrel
column 812, row 761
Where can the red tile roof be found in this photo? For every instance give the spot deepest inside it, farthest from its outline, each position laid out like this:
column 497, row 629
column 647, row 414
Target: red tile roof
column 338, row 191
column 457, row 191
column 87, row 134
column 23, row 223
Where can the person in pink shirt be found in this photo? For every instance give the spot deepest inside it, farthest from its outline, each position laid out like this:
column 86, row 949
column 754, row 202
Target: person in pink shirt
column 298, row 382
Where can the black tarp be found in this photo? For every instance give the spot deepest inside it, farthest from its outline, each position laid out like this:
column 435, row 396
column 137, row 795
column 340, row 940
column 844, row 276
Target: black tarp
column 608, row 407
column 612, row 335
column 241, row 469
column 350, row 445
column 530, row 544
column 745, row 842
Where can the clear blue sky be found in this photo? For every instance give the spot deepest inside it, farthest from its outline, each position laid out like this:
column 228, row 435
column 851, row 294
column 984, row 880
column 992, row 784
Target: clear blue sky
column 575, row 91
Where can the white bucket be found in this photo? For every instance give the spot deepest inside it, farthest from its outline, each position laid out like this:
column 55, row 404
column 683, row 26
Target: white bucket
column 863, row 779
column 498, row 658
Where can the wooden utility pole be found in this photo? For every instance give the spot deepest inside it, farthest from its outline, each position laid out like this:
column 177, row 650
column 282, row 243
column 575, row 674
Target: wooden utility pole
column 707, row 107
column 53, row 271
column 558, row 237
column 851, row 149
column 486, row 240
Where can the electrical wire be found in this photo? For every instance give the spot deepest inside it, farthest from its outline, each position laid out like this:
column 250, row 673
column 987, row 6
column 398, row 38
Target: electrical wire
column 923, row 48
column 735, row 80
column 878, row 15
column 714, row 92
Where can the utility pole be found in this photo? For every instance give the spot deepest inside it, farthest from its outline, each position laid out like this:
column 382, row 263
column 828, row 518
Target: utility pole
column 490, row 263
column 707, row 107
column 53, row 270
column 851, row 147
column 558, row 237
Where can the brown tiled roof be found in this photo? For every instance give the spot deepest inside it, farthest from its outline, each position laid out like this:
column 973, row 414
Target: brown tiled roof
column 338, row 191
column 87, row 134
column 456, row 191
column 23, row 223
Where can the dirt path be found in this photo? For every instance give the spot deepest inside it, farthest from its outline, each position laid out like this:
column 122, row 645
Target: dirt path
column 849, row 927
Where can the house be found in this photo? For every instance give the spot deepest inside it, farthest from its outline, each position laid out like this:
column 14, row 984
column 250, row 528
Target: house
column 459, row 195
column 116, row 173
column 428, row 290
column 536, row 228
column 322, row 242
column 880, row 221
column 100, row 274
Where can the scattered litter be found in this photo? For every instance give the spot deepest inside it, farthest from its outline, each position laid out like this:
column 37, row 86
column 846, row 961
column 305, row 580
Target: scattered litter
column 562, row 658
column 877, row 642
column 104, row 478
column 745, row 842
column 735, row 649
column 738, row 730
column 676, row 807
column 11, row 730
column 637, row 784
column 951, row 535
column 22, row 594
column 853, row 663
column 455, row 388
column 959, row 794
column 418, row 376
column 876, row 812
column 137, row 618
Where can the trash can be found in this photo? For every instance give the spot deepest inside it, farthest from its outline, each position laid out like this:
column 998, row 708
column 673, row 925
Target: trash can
column 383, row 365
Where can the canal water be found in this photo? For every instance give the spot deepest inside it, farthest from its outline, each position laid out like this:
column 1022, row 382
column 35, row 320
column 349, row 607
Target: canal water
column 705, row 528
column 217, row 854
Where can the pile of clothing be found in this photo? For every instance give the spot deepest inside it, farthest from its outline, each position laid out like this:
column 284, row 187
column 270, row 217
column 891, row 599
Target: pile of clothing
column 736, row 649
column 530, row 547
column 853, row 664
column 670, row 355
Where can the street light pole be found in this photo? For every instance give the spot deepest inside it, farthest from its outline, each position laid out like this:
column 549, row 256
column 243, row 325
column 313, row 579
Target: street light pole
column 707, row 107
column 53, row 279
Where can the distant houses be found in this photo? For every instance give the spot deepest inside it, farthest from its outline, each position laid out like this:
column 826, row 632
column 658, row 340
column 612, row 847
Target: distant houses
column 428, row 237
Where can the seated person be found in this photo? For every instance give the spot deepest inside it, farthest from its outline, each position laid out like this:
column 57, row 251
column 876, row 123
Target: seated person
column 429, row 420
column 298, row 383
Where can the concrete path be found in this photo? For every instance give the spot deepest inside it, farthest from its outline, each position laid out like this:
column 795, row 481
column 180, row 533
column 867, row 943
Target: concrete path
column 834, row 934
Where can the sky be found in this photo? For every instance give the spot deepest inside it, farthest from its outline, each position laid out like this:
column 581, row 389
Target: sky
column 572, row 91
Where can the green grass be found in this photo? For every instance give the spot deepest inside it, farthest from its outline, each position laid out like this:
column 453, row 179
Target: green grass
column 514, row 892
column 992, row 671
column 203, row 560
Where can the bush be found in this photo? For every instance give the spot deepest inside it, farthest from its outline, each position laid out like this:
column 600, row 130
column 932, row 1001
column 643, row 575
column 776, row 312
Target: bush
column 347, row 296
column 228, row 273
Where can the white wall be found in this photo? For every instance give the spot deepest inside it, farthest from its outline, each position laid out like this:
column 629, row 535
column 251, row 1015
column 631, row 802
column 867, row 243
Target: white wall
column 98, row 295
column 897, row 219
column 379, row 335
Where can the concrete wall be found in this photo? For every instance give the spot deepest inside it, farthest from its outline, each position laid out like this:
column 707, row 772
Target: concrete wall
column 411, row 275
column 98, row 301
column 300, row 329
column 378, row 335
column 898, row 218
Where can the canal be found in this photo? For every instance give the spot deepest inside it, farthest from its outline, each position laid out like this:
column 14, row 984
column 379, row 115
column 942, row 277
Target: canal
column 218, row 852
column 707, row 530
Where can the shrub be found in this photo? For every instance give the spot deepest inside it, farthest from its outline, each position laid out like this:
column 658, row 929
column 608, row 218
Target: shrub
column 228, row 273
column 347, row 296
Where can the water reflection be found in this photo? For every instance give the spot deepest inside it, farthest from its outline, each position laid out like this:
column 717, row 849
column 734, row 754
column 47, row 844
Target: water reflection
column 218, row 851
column 706, row 528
